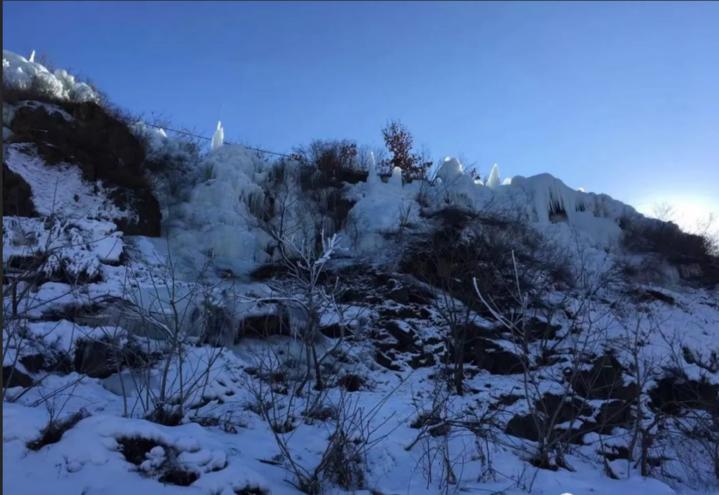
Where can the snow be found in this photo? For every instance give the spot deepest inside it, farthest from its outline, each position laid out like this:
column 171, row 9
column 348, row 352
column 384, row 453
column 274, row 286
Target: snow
column 23, row 74
column 380, row 210
column 223, row 219
column 78, row 246
column 60, row 189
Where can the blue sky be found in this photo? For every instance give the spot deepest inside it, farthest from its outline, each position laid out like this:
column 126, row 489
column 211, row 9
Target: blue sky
column 615, row 97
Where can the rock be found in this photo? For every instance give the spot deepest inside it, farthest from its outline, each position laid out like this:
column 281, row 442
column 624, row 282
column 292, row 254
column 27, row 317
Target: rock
column 95, row 358
column 537, row 329
column 57, row 363
column 613, row 414
column 336, row 331
column 262, row 326
column 565, row 408
column 441, row 430
column 351, row 382
column 489, row 356
column 605, row 380
column 422, row 360
column 405, row 336
column 524, row 426
column 16, row 195
column 13, row 377
column 674, row 393
column 411, row 294
column 104, row 149
column 383, row 360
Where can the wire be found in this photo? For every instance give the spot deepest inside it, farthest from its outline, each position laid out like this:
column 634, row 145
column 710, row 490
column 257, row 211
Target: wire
column 187, row 133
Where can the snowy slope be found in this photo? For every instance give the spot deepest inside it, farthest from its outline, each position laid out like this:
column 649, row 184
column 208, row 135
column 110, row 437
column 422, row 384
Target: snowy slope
column 104, row 329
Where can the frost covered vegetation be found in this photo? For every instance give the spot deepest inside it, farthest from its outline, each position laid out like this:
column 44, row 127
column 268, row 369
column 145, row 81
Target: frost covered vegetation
column 342, row 320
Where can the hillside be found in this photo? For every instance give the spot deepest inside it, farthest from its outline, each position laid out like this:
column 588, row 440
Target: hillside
column 181, row 320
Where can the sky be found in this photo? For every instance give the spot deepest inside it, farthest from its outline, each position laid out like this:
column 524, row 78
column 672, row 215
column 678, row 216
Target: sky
column 615, row 97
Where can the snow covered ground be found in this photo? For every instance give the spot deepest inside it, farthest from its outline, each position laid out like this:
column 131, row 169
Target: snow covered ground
column 102, row 330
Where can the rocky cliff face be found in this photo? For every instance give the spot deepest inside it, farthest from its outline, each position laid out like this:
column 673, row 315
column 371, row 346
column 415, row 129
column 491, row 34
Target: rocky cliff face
column 88, row 136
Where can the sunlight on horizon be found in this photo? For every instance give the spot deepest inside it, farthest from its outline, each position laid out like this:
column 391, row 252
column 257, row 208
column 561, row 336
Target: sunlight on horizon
column 695, row 214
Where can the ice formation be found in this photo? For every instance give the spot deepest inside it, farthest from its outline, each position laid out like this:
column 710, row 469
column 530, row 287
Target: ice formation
column 493, row 179
column 26, row 74
column 220, row 217
column 218, row 137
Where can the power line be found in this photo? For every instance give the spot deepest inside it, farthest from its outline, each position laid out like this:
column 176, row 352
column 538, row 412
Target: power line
column 191, row 134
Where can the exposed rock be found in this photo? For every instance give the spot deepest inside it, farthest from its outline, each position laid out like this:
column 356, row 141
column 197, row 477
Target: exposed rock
column 95, row 358
column 13, row 377
column 351, row 382
column 411, row 294
column 59, row 363
column 605, row 380
column 405, row 336
column 335, row 331
column 103, row 147
column 489, row 356
column 16, row 195
column 524, row 426
column 383, row 360
column 262, row 326
column 562, row 408
column 674, row 393
column 613, row 414
column 537, row 329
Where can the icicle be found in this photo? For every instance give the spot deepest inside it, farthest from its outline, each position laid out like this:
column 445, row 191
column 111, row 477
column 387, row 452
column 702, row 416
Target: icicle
column 493, row 179
column 396, row 179
column 32, row 56
column 372, row 177
column 219, row 137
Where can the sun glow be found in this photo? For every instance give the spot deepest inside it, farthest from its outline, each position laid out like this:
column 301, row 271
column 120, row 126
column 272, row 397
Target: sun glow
column 695, row 214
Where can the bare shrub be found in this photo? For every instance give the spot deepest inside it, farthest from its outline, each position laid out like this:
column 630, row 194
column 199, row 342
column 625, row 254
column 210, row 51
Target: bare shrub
column 399, row 142
column 671, row 244
column 162, row 320
column 546, row 412
column 353, row 429
column 327, row 163
column 304, row 291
